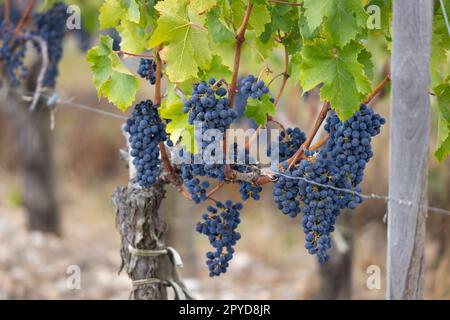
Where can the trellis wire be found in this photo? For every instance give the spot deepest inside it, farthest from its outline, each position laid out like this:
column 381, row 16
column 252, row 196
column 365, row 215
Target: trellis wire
column 445, row 16
column 54, row 99
column 371, row 196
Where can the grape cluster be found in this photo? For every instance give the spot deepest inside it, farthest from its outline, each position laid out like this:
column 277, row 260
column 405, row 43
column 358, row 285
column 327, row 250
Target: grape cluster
column 289, row 141
column 313, row 186
column 147, row 70
column 219, row 225
column 50, row 26
column 285, row 193
column 250, row 86
column 146, row 131
column 209, row 105
column 12, row 53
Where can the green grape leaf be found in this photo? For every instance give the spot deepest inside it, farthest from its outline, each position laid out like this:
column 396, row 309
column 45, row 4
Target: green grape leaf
column 305, row 30
column 295, row 67
column 134, row 38
column 111, row 77
column 111, row 12
column 121, row 89
column 186, row 48
column 202, row 6
column 284, row 17
column 440, row 47
column 344, row 19
column 134, row 15
column 259, row 17
column 217, row 27
column 259, row 109
column 218, row 70
column 443, row 101
column 172, row 109
column 345, row 84
column 365, row 58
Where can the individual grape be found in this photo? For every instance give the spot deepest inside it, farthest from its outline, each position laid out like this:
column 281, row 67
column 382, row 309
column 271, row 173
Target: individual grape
column 146, row 131
column 50, row 26
column 219, row 225
column 147, row 70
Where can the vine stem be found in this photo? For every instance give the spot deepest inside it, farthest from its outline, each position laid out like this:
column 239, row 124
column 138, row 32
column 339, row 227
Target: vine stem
column 138, row 55
column 321, row 117
column 7, row 13
column 240, row 38
column 164, row 156
column 24, row 17
column 158, row 76
column 378, row 88
column 285, row 75
column 294, row 4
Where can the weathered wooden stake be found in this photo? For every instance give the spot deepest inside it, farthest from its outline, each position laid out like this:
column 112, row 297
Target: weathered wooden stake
column 409, row 144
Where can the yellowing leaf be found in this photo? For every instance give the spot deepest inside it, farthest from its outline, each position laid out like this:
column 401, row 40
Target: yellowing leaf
column 178, row 127
column 111, row 12
column 111, row 78
column 202, row 6
column 186, row 40
column 134, row 38
column 121, row 89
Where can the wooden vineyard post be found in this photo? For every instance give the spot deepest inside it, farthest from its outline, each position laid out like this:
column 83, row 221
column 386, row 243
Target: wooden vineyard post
column 409, row 144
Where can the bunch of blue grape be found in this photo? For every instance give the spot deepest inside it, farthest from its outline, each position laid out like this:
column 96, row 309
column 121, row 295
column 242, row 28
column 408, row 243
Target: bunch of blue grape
column 250, row 86
column 350, row 147
column 314, row 185
column 219, row 225
column 321, row 204
column 12, row 53
column 147, row 70
column 50, row 26
column 285, row 192
column 190, row 171
column 209, row 105
column 146, row 131
column 289, row 141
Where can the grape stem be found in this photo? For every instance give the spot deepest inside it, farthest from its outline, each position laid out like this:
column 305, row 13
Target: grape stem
column 24, row 16
column 7, row 13
column 285, row 75
column 321, row 117
column 138, row 55
column 240, row 38
column 164, row 156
